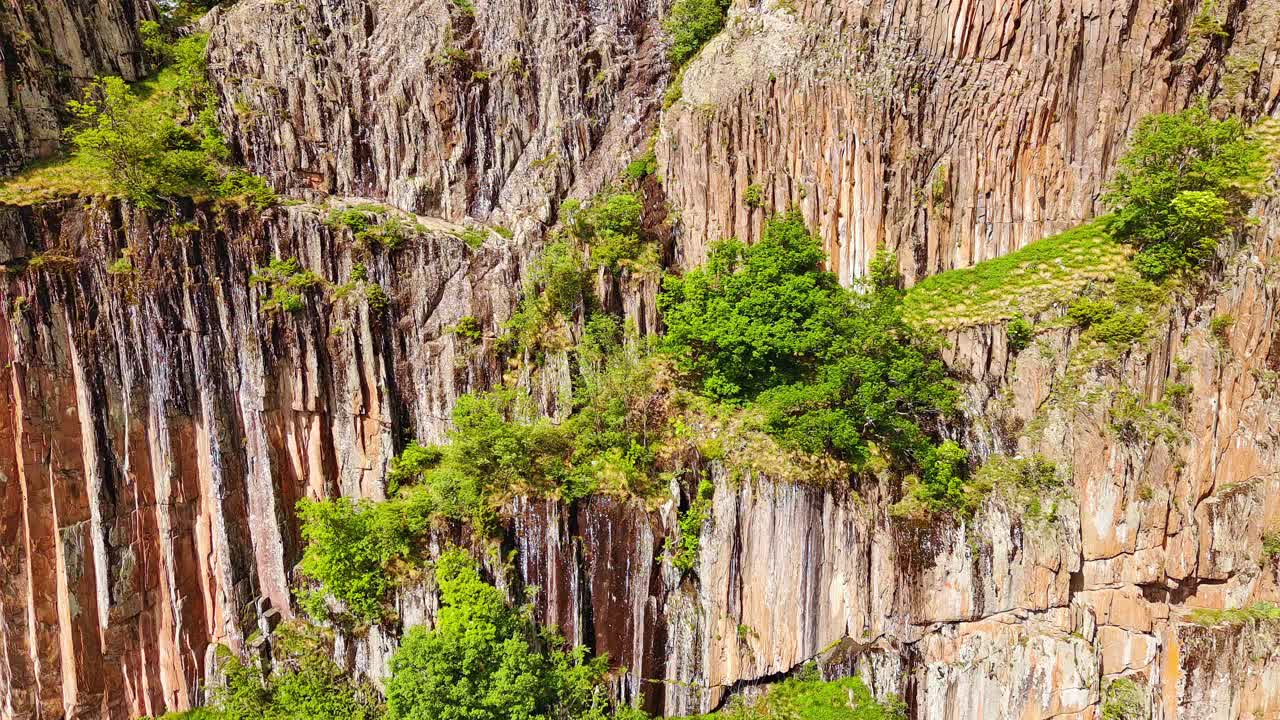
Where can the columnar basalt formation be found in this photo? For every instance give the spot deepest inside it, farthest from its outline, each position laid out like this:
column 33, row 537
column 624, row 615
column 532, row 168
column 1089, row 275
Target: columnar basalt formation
column 949, row 131
column 493, row 114
column 158, row 426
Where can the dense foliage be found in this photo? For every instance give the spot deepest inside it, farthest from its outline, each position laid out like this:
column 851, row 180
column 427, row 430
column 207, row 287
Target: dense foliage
column 1185, row 183
column 353, row 548
column 610, row 227
column 357, row 551
column 691, row 24
column 484, row 660
column 159, row 140
column 834, row 370
column 305, row 685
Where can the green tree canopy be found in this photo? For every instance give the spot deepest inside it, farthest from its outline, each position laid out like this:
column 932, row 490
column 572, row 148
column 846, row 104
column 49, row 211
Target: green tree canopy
column 834, row 370
column 485, row 660
column 1186, row 182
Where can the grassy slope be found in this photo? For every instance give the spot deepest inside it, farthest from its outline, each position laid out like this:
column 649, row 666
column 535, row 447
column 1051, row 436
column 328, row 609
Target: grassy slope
column 1029, row 281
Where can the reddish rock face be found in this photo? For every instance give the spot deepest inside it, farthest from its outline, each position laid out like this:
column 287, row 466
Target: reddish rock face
column 157, row 429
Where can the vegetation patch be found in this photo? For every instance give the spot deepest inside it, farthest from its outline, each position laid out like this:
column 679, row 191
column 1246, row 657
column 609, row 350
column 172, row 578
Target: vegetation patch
column 287, row 282
column 611, row 230
column 55, row 179
column 808, row 696
column 304, row 683
column 1258, row 613
column 152, row 142
column 1026, row 282
column 833, row 371
column 374, row 225
column 1122, row 699
column 485, row 660
column 691, row 24
column 684, row 551
column 1185, row 184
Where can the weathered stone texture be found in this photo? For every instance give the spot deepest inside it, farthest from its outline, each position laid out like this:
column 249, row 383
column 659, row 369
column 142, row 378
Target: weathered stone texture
column 157, row 429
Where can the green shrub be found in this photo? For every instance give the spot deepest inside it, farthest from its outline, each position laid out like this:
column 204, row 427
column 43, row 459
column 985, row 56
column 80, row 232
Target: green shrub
column 684, row 551
column 1220, row 328
column 474, row 237
column 1270, row 545
column 610, row 227
column 808, row 697
column 490, row 455
column 468, row 328
column 754, row 196
column 287, row 281
column 411, row 464
column 833, row 370
column 373, row 224
column 642, row 167
column 352, row 548
column 618, row 419
column 558, row 287
column 304, row 684
column 1185, row 183
column 1122, row 700
column 691, row 24
column 159, row 140
column 1120, row 314
column 484, row 660
column 1020, row 333
column 943, row 486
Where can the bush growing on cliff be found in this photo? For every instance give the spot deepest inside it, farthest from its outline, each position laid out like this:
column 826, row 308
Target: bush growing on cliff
column 610, row 227
column 352, row 548
column 1185, row 184
column 305, row 683
column 159, row 140
column 485, row 660
column 691, row 24
column 834, row 370
column 808, row 697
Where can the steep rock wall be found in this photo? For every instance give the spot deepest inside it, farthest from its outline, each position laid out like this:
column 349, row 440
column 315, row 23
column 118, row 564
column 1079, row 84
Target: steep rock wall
column 495, row 115
column 157, row 428
column 50, row 49
column 948, row 131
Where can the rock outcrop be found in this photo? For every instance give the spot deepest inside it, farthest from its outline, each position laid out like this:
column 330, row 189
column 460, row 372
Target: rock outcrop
column 158, row 422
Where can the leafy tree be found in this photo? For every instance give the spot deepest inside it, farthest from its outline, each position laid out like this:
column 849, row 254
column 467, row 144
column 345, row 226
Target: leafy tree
column 146, row 154
column 691, row 24
column 160, row 140
column 486, row 661
column 833, row 370
column 754, row 317
column 353, row 546
column 1185, row 183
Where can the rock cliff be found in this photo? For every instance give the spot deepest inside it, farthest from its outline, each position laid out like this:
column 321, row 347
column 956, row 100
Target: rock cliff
column 158, row 426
